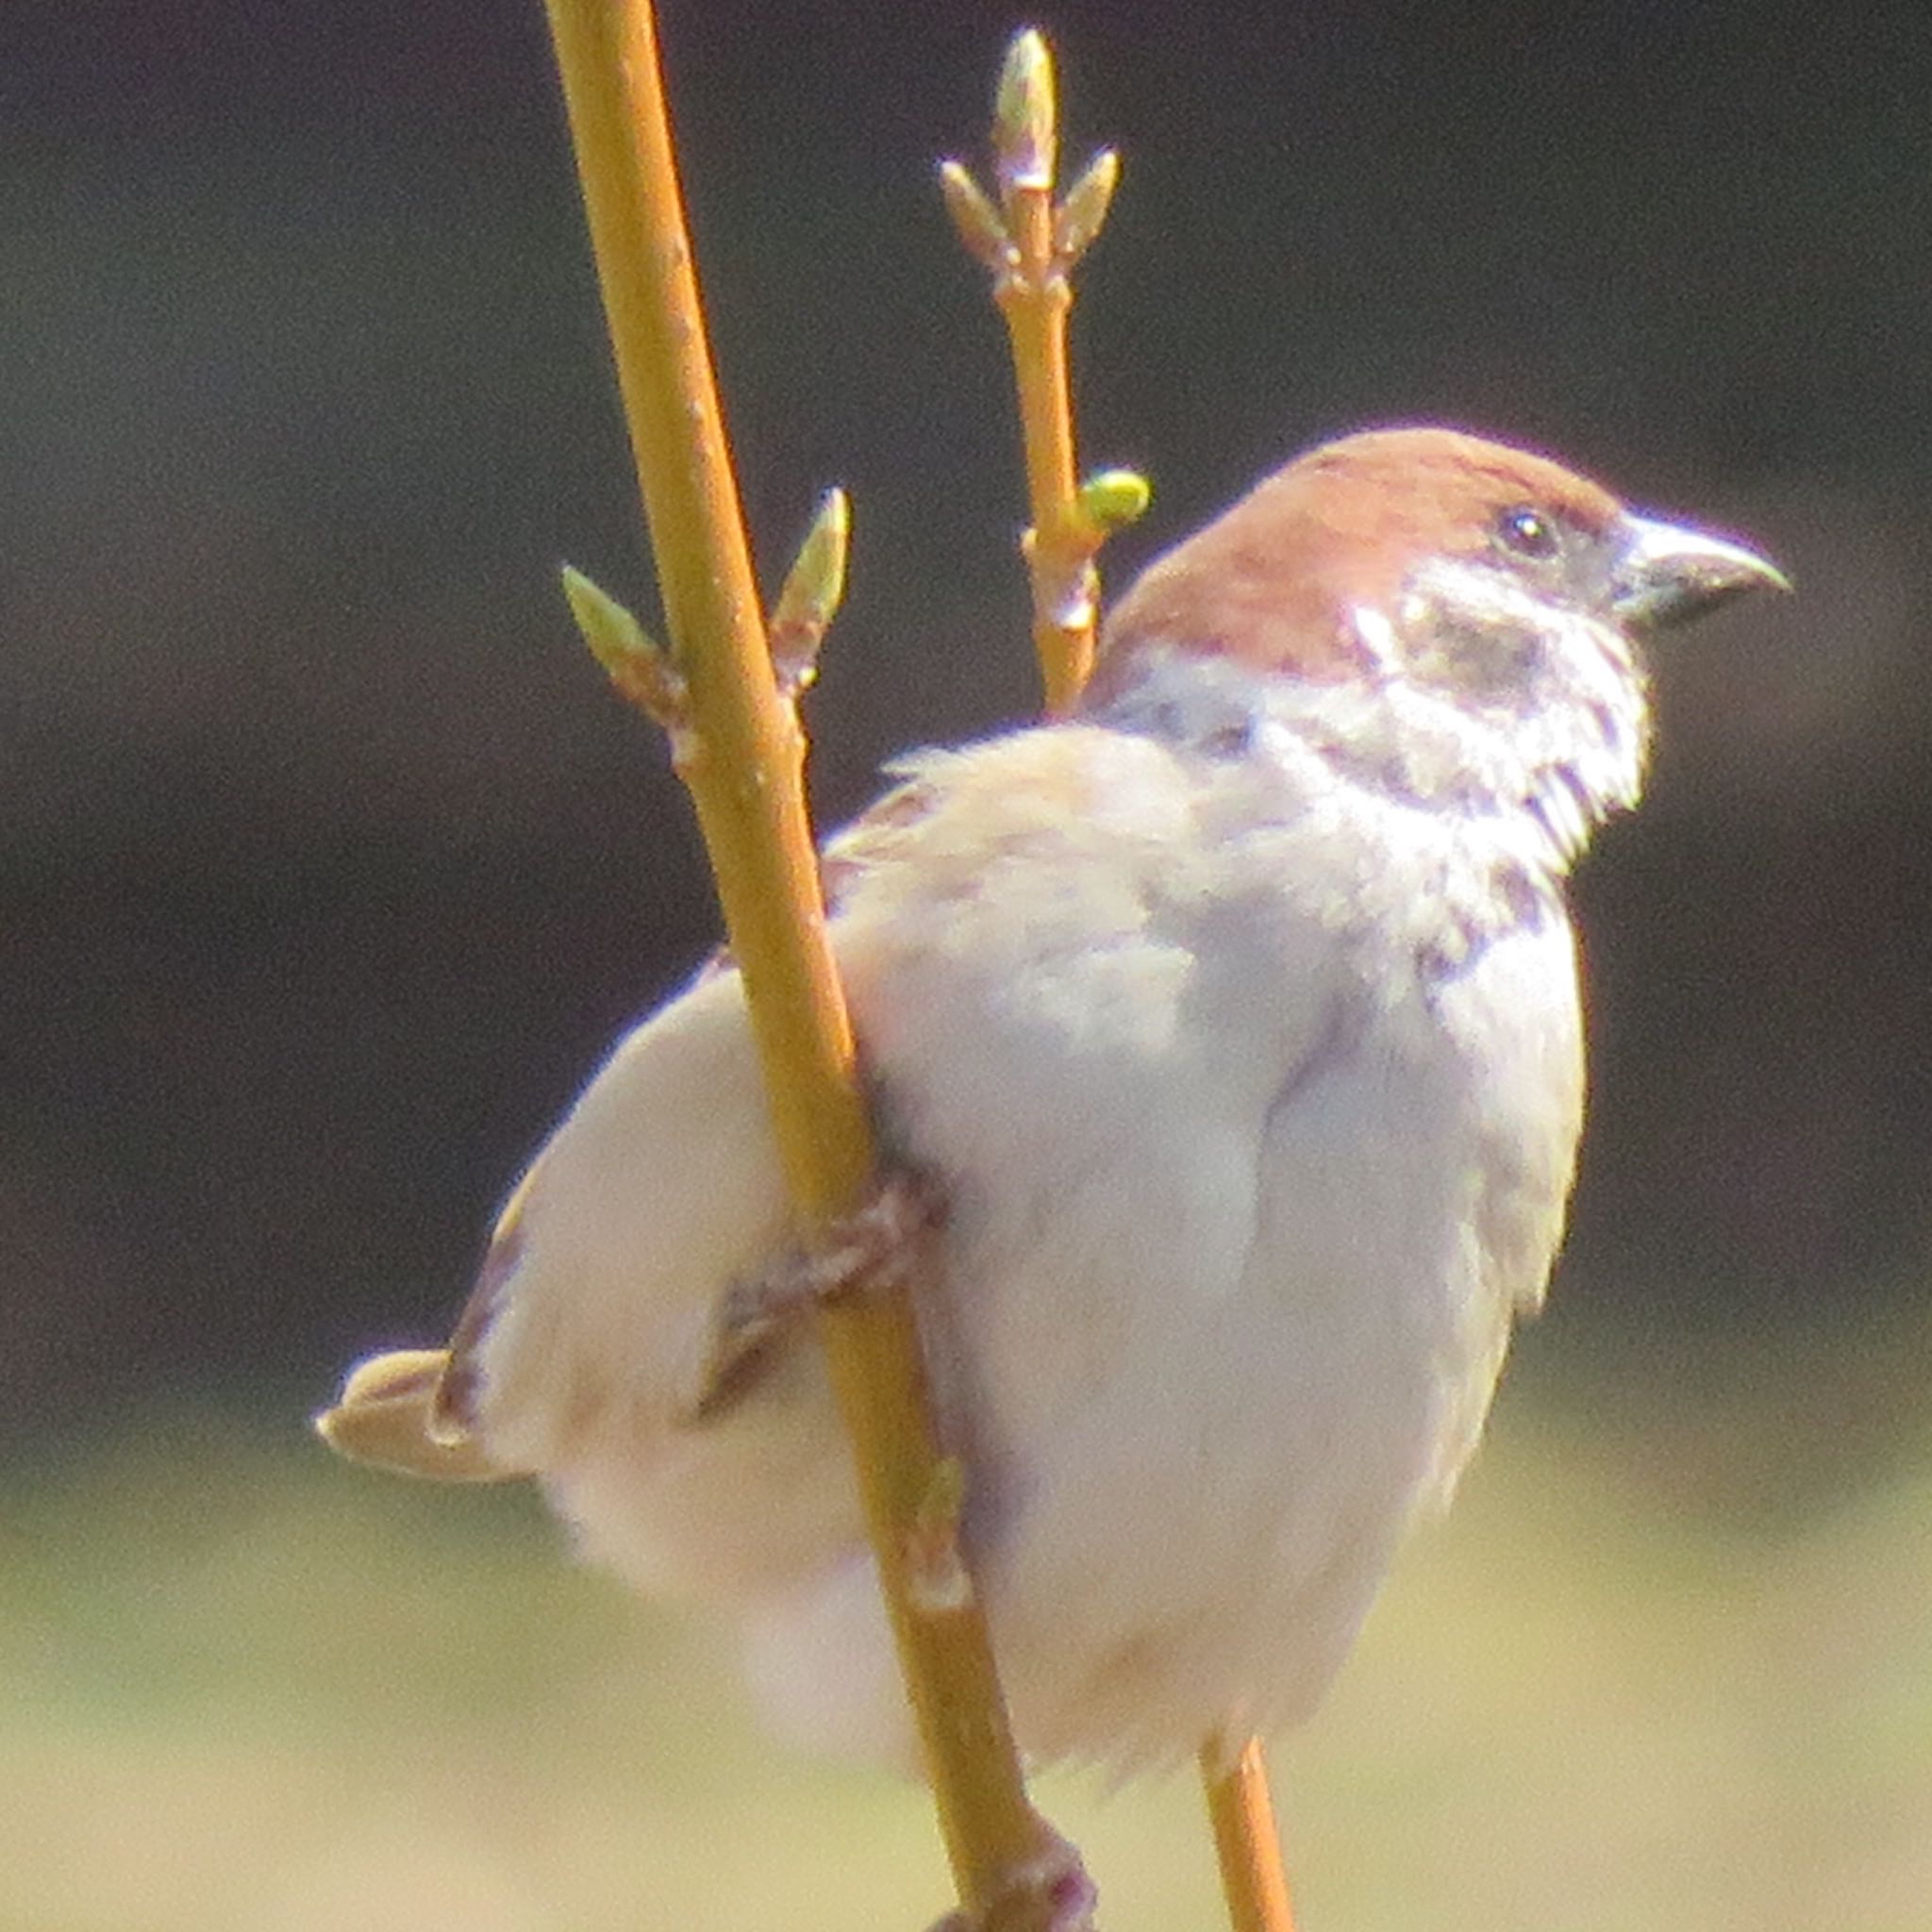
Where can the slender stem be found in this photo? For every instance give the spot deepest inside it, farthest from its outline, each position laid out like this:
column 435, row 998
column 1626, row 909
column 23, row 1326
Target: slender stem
column 741, row 752
column 1253, row 1879
column 1035, row 299
column 1030, row 246
column 756, row 830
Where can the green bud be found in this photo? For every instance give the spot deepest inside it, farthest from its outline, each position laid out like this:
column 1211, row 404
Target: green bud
column 1082, row 215
column 616, row 638
column 815, row 588
column 1112, row 499
column 974, row 218
column 1023, row 134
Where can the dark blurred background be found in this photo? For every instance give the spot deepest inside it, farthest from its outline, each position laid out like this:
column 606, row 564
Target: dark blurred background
column 328, row 864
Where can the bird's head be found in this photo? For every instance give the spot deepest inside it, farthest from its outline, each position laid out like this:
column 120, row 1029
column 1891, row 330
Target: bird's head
column 1459, row 618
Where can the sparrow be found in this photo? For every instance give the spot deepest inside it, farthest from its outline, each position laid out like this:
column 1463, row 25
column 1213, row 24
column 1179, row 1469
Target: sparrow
column 1235, row 1021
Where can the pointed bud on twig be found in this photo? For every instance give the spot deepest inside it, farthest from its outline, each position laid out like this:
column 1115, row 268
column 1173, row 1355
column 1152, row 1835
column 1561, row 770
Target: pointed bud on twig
column 814, row 588
column 974, row 218
column 616, row 638
column 1082, row 215
column 1024, row 138
column 1111, row 499
column 638, row 666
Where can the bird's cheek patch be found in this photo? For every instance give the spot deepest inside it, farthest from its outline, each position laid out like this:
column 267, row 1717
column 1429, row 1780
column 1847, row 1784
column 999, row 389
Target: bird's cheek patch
column 1479, row 649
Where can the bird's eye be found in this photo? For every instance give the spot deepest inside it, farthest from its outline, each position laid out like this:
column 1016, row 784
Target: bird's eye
column 1527, row 531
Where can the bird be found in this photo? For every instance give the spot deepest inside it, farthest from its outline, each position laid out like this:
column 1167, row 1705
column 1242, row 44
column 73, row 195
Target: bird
column 1231, row 1024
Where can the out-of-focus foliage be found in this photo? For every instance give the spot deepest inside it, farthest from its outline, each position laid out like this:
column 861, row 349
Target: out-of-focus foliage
column 1667, row 1665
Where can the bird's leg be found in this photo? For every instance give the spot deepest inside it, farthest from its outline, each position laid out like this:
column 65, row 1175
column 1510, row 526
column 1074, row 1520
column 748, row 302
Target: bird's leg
column 871, row 1249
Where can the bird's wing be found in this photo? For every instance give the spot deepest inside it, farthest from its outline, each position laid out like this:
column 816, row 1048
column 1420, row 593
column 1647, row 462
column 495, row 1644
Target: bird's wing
column 681, row 1161
column 600, row 1284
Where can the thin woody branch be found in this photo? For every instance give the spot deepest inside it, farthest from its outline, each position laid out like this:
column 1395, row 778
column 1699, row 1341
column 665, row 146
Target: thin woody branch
column 1247, row 1844
column 741, row 757
column 1030, row 245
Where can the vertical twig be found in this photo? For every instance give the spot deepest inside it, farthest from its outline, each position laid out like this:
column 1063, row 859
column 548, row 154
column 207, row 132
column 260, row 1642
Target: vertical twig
column 1253, row 1878
column 740, row 750
column 1030, row 245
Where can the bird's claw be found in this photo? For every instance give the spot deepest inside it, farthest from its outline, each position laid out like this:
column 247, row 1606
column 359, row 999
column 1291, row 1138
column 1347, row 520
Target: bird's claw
column 870, row 1251
column 874, row 1248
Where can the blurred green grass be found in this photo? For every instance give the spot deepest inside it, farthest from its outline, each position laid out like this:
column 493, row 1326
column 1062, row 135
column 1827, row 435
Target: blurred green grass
column 1668, row 1664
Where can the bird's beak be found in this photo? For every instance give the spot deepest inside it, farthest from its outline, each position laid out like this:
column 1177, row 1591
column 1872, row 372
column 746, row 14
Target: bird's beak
column 1666, row 575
